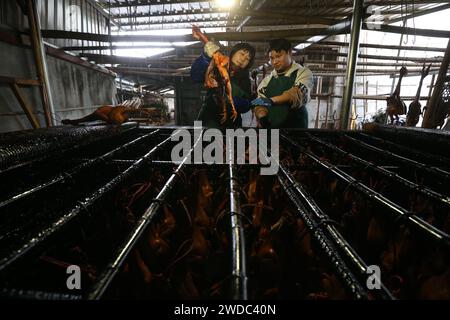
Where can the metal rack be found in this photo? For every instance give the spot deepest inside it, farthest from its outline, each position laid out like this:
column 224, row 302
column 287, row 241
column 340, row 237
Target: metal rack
column 71, row 199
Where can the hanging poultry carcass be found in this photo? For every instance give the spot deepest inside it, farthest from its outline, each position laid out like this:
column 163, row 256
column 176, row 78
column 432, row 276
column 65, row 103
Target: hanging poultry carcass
column 222, row 84
column 415, row 108
column 395, row 105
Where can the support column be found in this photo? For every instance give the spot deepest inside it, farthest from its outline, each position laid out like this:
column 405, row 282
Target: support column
column 358, row 13
column 40, row 61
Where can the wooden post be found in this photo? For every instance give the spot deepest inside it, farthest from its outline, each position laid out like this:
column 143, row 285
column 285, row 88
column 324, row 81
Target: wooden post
column 39, row 57
column 433, row 78
column 430, row 118
column 24, row 104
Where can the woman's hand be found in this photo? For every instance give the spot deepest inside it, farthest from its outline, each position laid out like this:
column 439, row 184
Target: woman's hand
column 210, row 48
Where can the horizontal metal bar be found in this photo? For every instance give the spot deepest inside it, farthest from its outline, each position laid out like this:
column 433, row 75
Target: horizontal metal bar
column 95, row 48
column 369, row 56
column 382, row 46
column 340, row 166
column 179, row 22
column 366, row 97
column 118, row 4
column 314, row 6
column 406, row 30
column 293, row 17
column 418, row 13
column 219, row 36
column 206, row 165
column 308, row 62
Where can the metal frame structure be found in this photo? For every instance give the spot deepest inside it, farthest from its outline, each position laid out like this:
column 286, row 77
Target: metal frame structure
column 151, row 147
column 255, row 22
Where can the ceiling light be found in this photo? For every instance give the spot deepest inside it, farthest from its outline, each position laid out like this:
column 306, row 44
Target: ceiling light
column 225, row 3
column 309, row 42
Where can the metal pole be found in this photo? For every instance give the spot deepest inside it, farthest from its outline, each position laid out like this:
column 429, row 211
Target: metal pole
column 239, row 264
column 430, row 120
column 41, row 63
column 121, row 91
column 358, row 12
column 398, row 56
column 376, row 93
column 109, row 29
column 366, row 102
column 316, row 126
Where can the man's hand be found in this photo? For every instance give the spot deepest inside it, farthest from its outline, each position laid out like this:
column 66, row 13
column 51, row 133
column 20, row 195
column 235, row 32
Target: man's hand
column 263, row 102
column 211, row 48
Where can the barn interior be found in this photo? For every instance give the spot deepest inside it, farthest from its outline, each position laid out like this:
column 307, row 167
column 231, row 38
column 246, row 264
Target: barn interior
column 101, row 152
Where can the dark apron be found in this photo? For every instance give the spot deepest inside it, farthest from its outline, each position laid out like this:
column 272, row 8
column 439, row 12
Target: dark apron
column 281, row 116
column 211, row 112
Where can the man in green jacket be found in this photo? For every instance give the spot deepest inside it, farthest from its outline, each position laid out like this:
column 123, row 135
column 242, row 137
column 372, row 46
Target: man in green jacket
column 283, row 95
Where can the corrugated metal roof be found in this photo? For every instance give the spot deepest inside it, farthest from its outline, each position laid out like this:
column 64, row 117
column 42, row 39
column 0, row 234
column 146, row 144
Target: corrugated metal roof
column 143, row 15
column 132, row 15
